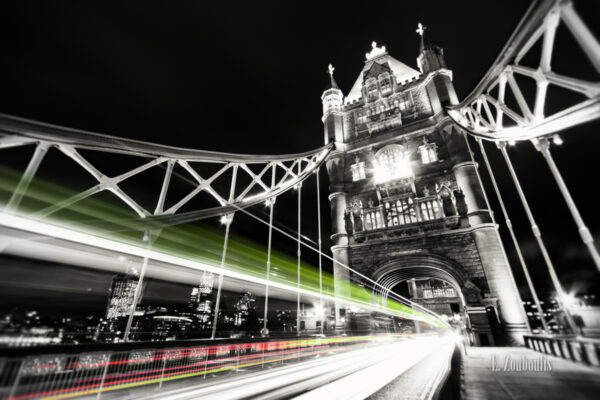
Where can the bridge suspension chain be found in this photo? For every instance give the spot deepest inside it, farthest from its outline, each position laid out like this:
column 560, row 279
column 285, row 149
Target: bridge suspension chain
column 289, row 170
column 487, row 112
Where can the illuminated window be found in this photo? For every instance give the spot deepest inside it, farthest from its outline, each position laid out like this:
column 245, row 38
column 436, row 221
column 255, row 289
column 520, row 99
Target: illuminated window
column 358, row 171
column 428, row 152
column 372, row 90
column 392, row 163
column 385, row 83
column 404, row 102
column 361, row 117
column 430, row 210
column 400, row 212
column 372, row 219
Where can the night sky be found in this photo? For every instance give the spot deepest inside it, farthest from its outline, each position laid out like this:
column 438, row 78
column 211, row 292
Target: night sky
column 247, row 77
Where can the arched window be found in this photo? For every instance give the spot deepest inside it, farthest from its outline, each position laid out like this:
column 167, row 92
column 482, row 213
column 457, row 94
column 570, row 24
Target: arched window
column 391, row 163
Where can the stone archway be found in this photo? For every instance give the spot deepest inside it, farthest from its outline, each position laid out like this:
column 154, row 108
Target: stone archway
column 391, row 273
column 435, row 267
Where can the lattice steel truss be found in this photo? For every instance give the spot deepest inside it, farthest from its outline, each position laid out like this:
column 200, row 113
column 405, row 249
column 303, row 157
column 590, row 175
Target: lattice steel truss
column 269, row 176
column 486, row 114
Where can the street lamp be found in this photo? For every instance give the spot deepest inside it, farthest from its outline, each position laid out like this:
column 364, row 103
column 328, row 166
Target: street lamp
column 557, row 140
column 569, row 300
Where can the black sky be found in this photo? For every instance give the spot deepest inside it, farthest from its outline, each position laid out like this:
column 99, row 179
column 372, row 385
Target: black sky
column 247, row 77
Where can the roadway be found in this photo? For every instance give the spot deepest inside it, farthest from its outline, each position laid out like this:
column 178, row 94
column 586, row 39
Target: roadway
column 352, row 374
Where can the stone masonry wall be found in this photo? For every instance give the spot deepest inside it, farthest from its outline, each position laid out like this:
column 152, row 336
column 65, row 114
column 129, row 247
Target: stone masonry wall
column 459, row 247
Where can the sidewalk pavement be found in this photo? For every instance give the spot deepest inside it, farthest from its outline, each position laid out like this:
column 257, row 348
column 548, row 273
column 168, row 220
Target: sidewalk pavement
column 492, row 373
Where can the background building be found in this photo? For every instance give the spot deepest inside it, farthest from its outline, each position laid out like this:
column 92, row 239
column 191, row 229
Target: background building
column 201, row 303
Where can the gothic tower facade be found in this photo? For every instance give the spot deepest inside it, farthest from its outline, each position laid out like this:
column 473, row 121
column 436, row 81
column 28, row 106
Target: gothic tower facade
column 406, row 201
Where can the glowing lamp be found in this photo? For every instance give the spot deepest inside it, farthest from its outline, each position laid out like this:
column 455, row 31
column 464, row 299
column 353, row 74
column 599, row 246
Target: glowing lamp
column 569, row 300
column 387, row 172
column 226, row 219
column 557, row 140
column 380, row 173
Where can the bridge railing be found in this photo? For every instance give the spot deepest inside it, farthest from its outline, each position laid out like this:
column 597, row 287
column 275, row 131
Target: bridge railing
column 578, row 349
column 416, row 216
column 71, row 371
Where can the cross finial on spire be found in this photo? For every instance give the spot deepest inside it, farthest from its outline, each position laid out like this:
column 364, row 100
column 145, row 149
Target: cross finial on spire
column 332, row 82
column 421, row 31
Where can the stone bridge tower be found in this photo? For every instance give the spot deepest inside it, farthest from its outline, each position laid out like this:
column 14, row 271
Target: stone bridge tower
column 406, row 201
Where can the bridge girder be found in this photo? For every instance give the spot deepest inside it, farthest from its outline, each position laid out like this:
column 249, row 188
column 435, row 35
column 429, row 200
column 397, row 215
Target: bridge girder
column 485, row 112
column 267, row 176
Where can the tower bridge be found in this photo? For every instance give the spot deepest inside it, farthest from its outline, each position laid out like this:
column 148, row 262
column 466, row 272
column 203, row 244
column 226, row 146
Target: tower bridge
column 417, row 276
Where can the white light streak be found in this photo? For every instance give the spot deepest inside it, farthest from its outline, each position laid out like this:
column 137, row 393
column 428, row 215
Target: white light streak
column 66, row 233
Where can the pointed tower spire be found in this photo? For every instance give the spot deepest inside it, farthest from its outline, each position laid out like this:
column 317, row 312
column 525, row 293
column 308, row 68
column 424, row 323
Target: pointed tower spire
column 333, row 84
column 421, row 31
column 333, row 100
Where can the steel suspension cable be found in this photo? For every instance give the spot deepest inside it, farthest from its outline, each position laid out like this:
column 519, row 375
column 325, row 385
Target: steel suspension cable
column 271, row 210
column 538, row 237
column 299, row 240
column 319, row 242
column 543, row 145
column 228, row 219
column 220, row 284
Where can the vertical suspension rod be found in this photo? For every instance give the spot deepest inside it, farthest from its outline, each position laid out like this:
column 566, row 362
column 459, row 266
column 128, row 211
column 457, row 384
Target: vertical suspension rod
column 538, row 237
column 543, row 145
column 228, row 218
column 271, row 203
column 32, row 167
column 150, row 236
column 299, row 252
column 138, row 288
column 513, row 236
column 319, row 243
column 220, row 284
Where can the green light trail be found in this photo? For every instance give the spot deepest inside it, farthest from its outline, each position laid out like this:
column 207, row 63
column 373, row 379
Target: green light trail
column 196, row 242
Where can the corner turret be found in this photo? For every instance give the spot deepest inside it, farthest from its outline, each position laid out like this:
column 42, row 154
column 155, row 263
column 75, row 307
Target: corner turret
column 431, row 56
column 431, row 61
column 332, row 99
